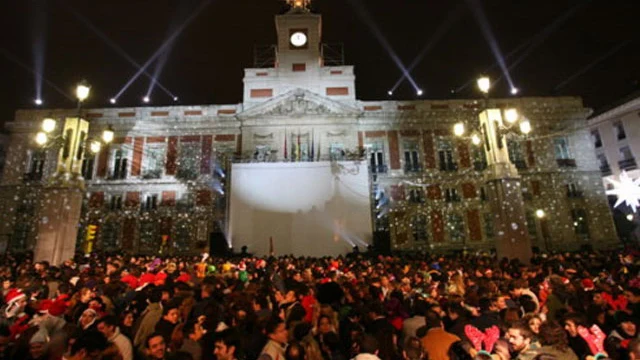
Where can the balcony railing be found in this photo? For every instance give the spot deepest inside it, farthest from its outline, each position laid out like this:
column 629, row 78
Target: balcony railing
column 520, row 164
column 605, row 170
column 448, row 166
column 412, row 168
column 32, row 176
column 379, row 169
column 566, row 163
column 575, row 194
column 479, row 165
column 627, row 164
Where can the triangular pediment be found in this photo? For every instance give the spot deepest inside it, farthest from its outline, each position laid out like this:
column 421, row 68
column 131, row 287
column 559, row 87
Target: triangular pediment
column 299, row 103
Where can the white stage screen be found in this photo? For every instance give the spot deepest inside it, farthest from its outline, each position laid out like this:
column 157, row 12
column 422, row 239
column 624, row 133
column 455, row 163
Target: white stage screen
column 308, row 208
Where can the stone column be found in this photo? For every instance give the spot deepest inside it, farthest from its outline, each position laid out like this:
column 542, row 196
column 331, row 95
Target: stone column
column 504, row 192
column 58, row 219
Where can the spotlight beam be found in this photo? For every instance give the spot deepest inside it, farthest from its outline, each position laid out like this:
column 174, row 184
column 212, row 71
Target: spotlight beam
column 531, row 43
column 485, row 27
column 590, row 65
column 39, row 43
column 366, row 18
column 444, row 27
column 16, row 61
column 164, row 46
column 115, row 47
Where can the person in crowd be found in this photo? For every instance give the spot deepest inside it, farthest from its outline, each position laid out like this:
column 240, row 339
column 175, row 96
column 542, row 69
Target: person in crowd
column 155, row 347
column 437, row 342
column 167, row 323
column 108, row 326
column 227, row 345
column 520, row 338
column 148, row 319
column 278, row 336
column 193, row 332
column 554, row 342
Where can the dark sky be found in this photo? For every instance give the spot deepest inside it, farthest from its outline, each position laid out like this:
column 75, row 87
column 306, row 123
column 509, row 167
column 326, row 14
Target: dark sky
column 206, row 64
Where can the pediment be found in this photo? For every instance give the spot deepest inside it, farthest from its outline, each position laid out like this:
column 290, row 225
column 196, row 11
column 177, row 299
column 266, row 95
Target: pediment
column 299, row 103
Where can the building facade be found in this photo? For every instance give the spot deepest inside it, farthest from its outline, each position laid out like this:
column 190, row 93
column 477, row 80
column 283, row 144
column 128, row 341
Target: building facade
column 160, row 186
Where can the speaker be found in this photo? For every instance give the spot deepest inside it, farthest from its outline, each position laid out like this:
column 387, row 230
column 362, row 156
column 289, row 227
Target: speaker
column 218, row 244
column 382, row 242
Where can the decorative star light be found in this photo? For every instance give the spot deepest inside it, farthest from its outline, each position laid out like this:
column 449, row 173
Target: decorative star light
column 627, row 190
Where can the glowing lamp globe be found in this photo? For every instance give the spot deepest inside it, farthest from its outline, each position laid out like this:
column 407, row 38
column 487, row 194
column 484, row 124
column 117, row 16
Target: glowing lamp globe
column 540, row 213
column 525, row 127
column 484, row 84
column 511, row 115
column 475, row 139
column 458, row 129
column 95, row 147
column 41, row 138
column 146, row 99
column 38, row 102
column 112, row 100
column 630, row 217
column 82, row 92
column 107, row 135
column 514, row 91
column 48, row 125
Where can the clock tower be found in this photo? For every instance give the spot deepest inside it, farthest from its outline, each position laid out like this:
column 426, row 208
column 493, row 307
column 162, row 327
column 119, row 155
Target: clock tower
column 299, row 37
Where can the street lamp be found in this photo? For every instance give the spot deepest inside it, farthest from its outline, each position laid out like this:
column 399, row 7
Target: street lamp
column 540, row 213
column 484, row 84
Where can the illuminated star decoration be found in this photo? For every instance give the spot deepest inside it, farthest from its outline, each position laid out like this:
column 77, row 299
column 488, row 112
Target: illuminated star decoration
column 627, row 190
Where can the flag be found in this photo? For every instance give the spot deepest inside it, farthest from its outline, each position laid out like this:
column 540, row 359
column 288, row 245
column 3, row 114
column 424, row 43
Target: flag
column 319, row 147
column 270, row 246
column 285, row 144
column 312, row 145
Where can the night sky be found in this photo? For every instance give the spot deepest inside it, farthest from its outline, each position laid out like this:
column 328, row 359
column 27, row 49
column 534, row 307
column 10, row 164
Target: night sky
column 206, row 64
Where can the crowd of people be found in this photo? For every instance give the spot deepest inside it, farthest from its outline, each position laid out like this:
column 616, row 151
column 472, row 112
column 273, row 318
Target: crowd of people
column 468, row 306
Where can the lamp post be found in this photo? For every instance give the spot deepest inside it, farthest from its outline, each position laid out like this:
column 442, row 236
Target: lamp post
column 501, row 177
column 60, row 206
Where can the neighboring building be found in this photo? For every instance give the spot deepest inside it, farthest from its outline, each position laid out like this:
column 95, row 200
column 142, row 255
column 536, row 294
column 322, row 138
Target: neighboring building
column 3, row 151
column 615, row 134
column 155, row 187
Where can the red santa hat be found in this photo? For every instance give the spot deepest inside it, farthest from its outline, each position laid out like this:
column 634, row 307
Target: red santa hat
column 588, row 285
column 14, row 295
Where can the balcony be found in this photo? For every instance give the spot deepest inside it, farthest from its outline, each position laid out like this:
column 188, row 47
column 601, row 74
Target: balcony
column 628, row 164
column 32, row 176
column 412, row 168
column 605, row 170
column 566, row 163
column 479, row 165
column 379, row 169
column 520, row 164
column 575, row 194
column 448, row 166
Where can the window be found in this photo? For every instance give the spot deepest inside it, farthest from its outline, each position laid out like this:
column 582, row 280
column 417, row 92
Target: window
column 148, row 236
column 595, row 137
column 419, row 228
column 186, row 202
column 24, row 224
column 627, row 161
column 111, row 234
column 183, row 237
column 451, row 195
column 445, row 155
column 336, row 152
column 150, row 202
column 515, row 154
column 415, row 195
column 376, row 157
column 561, row 146
column 604, row 164
column 189, row 161
column 153, row 161
column 618, row 129
column 36, row 165
column 479, row 159
column 116, row 202
column 580, row 224
column 483, row 193
column 119, row 164
column 531, row 224
column 455, row 224
column 87, row 167
column 488, row 225
column 573, row 191
column 411, row 158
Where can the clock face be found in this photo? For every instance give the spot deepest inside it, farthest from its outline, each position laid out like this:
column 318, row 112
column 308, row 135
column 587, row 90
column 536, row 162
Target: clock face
column 298, row 39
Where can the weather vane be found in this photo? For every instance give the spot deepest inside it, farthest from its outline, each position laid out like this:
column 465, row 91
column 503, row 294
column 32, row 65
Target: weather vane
column 299, row 4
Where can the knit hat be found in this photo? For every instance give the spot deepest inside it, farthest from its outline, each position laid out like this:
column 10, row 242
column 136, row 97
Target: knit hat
column 14, row 295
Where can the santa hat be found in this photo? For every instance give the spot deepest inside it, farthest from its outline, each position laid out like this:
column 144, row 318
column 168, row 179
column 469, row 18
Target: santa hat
column 14, row 295
column 587, row 284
